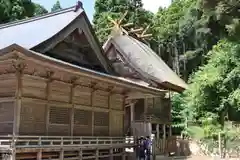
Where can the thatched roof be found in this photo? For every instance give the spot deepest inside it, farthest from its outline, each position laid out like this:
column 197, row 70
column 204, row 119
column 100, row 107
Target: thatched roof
column 145, row 61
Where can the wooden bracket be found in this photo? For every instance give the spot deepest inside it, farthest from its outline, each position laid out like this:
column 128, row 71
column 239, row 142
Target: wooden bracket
column 93, row 86
column 125, row 92
column 73, row 80
column 19, row 66
column 110, row 89
column 49, row 75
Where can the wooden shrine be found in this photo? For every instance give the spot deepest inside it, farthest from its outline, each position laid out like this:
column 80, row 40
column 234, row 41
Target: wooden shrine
column 59, row 96
column 132, row 58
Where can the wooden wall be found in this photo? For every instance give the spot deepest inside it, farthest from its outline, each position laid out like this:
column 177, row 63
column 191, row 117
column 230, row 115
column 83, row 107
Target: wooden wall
column 63, row 109
column 8, row 86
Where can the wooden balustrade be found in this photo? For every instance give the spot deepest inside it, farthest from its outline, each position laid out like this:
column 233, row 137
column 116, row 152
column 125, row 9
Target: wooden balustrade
column 49, row 141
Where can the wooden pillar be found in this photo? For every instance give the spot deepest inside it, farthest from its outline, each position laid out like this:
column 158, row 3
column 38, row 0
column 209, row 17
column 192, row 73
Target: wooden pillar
column 13, row 156
column 124, row 154
column 80, row 154
column 92, row 92
column 48, row 92
column 164, row 131
column 164, row 137
column 132, row 118
column 132, row 111
column 39, row 155
column 72, row 107
column 18, row 96
column 170, row 130
column 97, row 154
column 61, row 156
column 111, row 154
column 157, row 130
column 145, row 106
column 109, row 116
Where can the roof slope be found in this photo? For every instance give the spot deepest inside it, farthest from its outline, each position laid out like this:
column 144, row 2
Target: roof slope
column 30, row 33
column 46, row 60
column 38, row 31
column 145, row 61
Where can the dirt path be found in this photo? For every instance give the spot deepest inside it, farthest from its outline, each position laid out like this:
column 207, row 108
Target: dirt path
column 185, row 158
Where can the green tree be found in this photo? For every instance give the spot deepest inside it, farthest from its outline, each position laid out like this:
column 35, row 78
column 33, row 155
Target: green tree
column 11, row 10
column 215, row 87
column 56, row 6
column 39, row 10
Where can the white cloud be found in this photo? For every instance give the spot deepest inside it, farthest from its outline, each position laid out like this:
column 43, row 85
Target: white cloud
column 153, row 5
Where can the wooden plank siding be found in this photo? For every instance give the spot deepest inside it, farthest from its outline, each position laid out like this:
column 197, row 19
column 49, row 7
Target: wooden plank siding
column 40, row 100
column 8, row 86
column 58, row 105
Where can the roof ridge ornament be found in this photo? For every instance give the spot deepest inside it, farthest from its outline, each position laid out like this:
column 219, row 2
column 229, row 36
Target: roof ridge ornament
column 78, row 5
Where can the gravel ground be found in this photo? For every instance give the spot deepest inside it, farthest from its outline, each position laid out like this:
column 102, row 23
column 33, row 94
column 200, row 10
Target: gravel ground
column 185, row 158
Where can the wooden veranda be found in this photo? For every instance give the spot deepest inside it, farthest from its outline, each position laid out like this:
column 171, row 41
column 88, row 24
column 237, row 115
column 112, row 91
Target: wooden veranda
column 59, row 148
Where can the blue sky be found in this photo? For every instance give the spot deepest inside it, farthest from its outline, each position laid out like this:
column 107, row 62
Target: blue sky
column 88, row 5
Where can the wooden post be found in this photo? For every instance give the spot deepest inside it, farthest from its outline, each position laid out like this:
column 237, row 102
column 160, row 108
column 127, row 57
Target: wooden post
column 132, row 118
column 39, row 155
column 80, row 154
column 109, row 116
column 145, row 106
column 158, row 134
column 111, row 154
column 48, row 92
column 124, row 154
column 97, row 154
column 164, row 137
column 132, row 110
column 72, row 108
column 170, row 130
column 61, row 156
column 17, row 110
column 154, row 149
column 92, row 92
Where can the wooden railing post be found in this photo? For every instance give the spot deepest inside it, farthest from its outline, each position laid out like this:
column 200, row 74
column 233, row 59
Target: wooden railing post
column 80, row 140
column 80, row 154
column 111, row 154
column 39, row 141
column 61, row 141
column 39, row 155
column 97, row 154
column 124, row 154
column 61, row 156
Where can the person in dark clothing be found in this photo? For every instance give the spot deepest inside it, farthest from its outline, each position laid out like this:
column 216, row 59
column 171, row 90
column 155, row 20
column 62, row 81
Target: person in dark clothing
column 147, row 147
column 141, row 149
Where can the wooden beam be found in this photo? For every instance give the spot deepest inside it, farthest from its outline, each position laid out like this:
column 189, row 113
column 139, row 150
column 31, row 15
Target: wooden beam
column 122, row 18
column 48, row 92
column 135, row 30
column 73, row 80
column 93, row 84
column 145, row 36
column 128, row 25
column 145, row 30
column 109, row 115
column 19, row 67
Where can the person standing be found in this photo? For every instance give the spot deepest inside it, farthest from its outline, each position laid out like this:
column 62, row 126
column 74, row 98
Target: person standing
column 148, row 145
column 142, row 149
